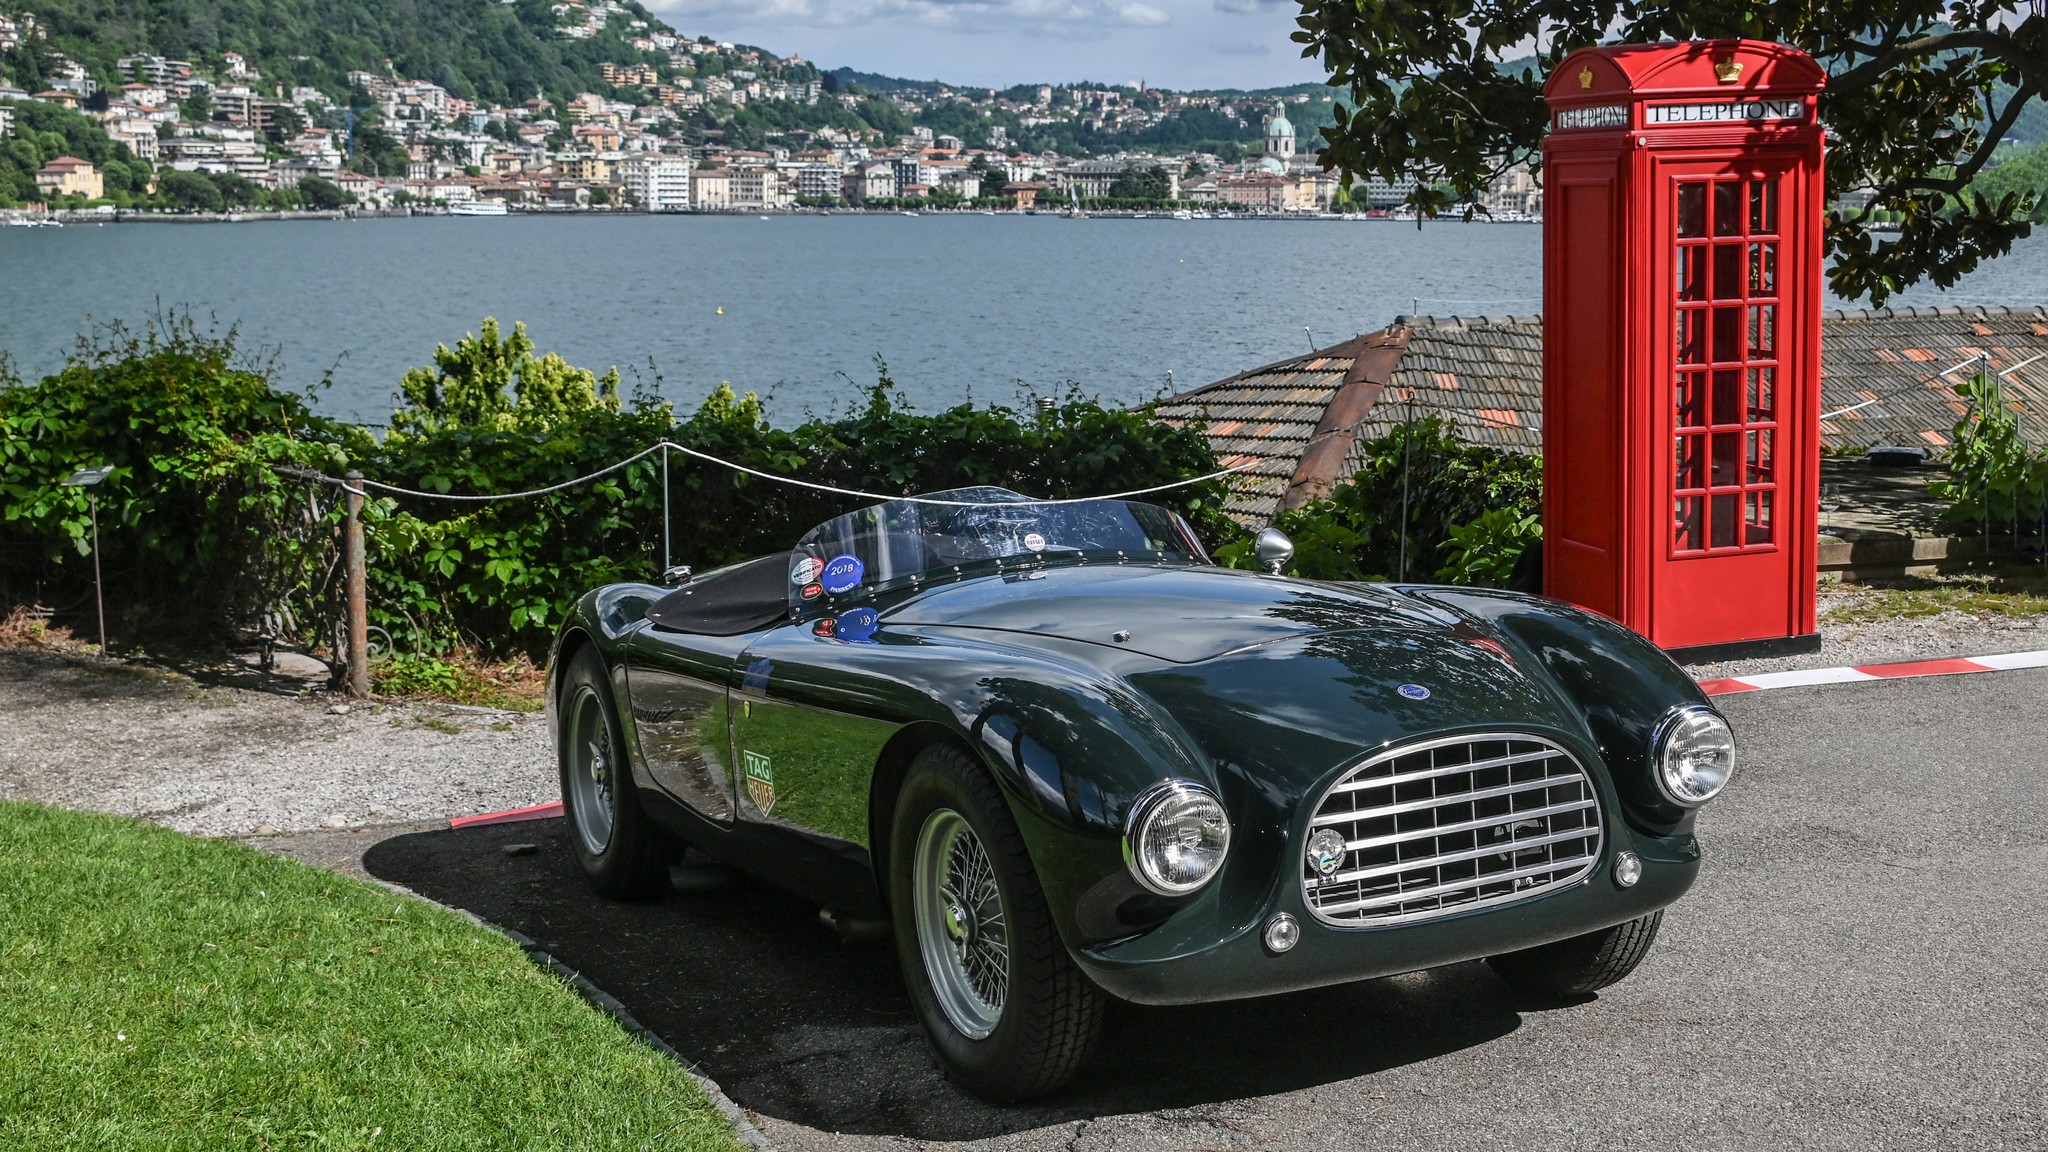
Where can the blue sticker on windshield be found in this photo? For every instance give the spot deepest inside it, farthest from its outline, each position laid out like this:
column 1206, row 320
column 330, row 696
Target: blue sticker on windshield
column 858, row 626
column 1413, row 691
column 842, row 574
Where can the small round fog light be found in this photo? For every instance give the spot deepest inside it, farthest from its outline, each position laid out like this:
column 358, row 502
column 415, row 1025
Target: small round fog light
column 1628, row 868
column 1282, row 933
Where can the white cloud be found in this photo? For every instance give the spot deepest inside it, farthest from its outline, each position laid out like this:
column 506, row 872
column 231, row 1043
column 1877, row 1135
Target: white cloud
column 996, row 43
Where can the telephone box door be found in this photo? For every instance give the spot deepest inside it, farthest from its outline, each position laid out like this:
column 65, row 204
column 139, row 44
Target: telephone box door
column 1731, row 434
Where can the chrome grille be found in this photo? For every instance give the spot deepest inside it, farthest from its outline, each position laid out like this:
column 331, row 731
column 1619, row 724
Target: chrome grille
column 1439, row 827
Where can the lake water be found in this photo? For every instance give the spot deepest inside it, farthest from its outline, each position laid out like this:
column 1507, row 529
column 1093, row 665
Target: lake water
column 797, row 307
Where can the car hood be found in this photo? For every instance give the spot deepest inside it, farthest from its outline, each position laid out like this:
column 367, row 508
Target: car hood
column 1289, row 712
column 1180, row 614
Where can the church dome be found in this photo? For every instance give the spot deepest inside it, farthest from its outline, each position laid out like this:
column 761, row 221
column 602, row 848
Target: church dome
column 1279, row 125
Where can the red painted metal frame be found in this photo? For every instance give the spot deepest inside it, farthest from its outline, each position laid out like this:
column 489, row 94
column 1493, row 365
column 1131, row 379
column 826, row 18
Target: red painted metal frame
column 1630, row 123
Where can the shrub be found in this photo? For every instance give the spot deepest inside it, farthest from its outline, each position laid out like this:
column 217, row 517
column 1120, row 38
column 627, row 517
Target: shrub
column 197, row 532
column 1995, row 479
column 1470, row 511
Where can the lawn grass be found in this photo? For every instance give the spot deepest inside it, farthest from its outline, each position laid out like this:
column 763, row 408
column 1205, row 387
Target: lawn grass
column 159, row 991
column 2018, row 596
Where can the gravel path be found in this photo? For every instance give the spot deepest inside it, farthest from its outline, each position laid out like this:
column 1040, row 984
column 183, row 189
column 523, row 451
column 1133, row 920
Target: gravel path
column 228, row 761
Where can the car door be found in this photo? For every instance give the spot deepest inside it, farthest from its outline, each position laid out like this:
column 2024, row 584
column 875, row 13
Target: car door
column 680, row 715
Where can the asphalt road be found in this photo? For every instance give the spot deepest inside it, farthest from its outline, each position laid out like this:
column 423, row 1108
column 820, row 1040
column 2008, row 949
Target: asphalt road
column 1863, row 965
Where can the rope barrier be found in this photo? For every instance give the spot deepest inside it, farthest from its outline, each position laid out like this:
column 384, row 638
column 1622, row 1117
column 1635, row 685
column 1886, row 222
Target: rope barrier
column 666, row 446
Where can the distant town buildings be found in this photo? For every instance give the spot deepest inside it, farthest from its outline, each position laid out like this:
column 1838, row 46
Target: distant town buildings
column 647, row 142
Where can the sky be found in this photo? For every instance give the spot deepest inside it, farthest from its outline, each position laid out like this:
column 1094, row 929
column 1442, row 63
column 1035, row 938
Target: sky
column 1178, row 44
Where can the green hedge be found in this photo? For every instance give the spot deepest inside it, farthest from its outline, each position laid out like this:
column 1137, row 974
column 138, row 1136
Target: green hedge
column 201, row 536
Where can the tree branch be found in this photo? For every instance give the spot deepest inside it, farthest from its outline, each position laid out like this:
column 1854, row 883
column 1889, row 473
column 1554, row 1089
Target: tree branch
column 1867, row 73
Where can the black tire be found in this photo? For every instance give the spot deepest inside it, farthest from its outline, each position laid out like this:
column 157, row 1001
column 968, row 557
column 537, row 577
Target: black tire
column 625, row 856
column 1051, row 1013
column 1581, row 965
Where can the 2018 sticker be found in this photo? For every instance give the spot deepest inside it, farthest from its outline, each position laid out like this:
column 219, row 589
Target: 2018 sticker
column 842, row 574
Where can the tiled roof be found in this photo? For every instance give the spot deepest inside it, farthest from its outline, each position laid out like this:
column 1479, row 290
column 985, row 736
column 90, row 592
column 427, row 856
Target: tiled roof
column 1887, row 377
column 1483, row 375
column 1271, row 414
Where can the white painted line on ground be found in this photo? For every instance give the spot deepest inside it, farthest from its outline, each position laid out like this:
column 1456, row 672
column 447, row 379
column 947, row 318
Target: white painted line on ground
column 1905, row 669
column 1805, row 677
column 2013, row 660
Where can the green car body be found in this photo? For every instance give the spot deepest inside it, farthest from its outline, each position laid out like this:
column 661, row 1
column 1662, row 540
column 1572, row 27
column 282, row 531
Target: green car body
column 1081, row 683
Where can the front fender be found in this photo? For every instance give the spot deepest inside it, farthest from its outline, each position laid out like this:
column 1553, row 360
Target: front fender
column 1073, row 747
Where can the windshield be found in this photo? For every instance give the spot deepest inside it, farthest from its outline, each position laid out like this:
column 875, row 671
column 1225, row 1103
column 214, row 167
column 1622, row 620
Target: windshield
column 986, row 529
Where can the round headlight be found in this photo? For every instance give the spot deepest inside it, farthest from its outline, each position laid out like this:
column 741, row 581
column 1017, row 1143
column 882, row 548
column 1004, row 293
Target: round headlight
column 1695, row 755
column 1177, row 838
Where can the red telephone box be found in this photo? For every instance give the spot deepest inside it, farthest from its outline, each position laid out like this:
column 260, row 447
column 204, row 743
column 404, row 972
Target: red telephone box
column 1683, row 205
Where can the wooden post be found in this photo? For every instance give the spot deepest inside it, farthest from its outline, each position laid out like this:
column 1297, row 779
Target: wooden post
column 358, row 611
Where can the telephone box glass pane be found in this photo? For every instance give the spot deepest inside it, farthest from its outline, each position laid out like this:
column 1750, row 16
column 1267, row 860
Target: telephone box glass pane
column 1758, row 528
column 1692, row 462
column 1688, row 531
column 1759, row 453
column 1760, row 382
column 1692, row 336
column 1692, row 272
column 1727, row 334
column 1763, row 206
column 1692, row 209
column 1728, row 208
column 1727, row 459
column 1763, row 269
column 1763, row 337
column 1727, row 272
column 1690, row 401
column 1727, row 508
column 1728, row 396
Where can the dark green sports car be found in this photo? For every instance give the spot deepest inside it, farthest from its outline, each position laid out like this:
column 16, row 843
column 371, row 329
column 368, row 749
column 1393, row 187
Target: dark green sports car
column 1067, row 757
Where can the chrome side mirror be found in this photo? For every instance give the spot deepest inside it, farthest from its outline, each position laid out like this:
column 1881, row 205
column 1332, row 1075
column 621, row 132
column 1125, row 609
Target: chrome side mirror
column 676, row 577
column 1274, row 549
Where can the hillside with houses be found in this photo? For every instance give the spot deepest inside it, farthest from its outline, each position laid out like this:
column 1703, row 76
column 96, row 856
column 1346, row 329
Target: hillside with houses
column 601, row 105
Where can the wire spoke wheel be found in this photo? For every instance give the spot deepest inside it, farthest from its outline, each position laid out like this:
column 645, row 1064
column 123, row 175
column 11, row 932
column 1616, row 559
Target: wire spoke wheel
column 963, row 931
column 592, row 768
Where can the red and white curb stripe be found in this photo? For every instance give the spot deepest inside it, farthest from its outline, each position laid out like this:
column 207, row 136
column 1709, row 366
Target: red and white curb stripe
column 1760, row 681
column 546, row 811
column 1725, row 686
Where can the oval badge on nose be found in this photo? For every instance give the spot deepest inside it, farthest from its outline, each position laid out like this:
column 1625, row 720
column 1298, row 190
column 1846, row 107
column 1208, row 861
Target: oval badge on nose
column 1413, row 691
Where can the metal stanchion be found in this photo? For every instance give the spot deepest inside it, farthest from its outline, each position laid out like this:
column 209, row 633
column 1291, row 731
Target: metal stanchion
column 88, row 479
column 358, row 609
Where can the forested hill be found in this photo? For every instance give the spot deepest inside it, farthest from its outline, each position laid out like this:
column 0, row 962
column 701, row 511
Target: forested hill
column 476, row 49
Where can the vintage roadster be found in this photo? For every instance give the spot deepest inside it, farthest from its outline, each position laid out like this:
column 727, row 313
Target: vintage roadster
column 1066, row 756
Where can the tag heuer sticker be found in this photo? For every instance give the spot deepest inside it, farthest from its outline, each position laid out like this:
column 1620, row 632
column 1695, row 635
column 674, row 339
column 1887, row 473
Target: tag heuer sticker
column 806, row 570
column 760, row 781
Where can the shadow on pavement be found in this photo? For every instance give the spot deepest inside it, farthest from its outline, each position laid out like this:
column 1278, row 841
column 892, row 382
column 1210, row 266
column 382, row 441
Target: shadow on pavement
column 795, row 1024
